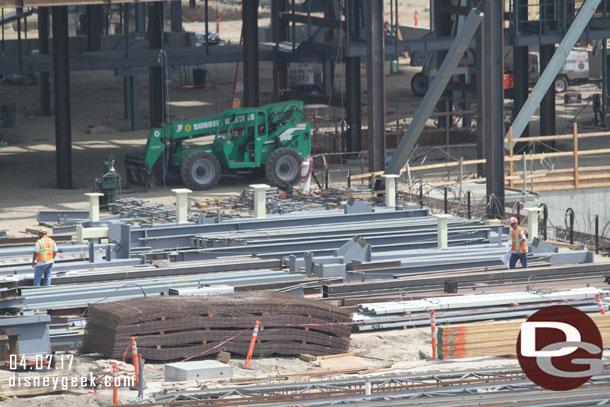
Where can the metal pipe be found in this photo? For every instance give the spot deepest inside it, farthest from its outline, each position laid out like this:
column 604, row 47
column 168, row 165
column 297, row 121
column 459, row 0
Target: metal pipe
column 349, row 178
column 469, row 213
column 596, row 233
column 61, row 78
column 445, row 200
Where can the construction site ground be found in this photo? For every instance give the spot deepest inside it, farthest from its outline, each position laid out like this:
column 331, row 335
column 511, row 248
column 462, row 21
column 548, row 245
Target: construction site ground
column 28, row 184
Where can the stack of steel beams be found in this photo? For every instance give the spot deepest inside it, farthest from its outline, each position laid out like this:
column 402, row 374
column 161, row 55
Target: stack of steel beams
column 173, row 327
column 482, row 279
column 470, row 308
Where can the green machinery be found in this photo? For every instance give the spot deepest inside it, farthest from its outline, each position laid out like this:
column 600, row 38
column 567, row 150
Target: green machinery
column 275, row 137
column 109, row 184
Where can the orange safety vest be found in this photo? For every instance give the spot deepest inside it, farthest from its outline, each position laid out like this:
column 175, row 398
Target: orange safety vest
column 517, row 241
column 47, row 247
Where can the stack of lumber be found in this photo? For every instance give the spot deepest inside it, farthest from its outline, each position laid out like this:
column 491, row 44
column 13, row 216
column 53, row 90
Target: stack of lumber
column 492, row 338
column 174, row 327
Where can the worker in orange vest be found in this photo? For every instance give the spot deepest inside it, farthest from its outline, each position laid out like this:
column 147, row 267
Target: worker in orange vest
column 43, row 258
column 518, row 250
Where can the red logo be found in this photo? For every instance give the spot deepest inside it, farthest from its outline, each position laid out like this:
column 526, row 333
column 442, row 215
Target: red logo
column 560, row 348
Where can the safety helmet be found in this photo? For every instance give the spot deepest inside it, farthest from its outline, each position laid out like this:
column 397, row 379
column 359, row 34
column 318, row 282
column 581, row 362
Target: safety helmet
column 512, row 220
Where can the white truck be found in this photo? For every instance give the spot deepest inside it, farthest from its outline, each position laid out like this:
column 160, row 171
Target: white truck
column 574, row 70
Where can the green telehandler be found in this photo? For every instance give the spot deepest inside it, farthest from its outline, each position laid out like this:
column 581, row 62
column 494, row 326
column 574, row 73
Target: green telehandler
column 275, row 137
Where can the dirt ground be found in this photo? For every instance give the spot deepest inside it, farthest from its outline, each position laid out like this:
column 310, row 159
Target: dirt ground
column 28, row 168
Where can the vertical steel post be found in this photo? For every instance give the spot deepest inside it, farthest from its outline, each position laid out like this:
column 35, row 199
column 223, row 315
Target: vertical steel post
column 250, row 53
column 352, row 73
column 520, row 65
column 604, row 84
column 61, row 79
column 207, row 26
column 95, row 22
column 176, row 16
column 421, row 194
column 445, row 200
column 469, row 210
column 596, row 233
column 493, row 102
column 43, row 45
column 156, row 99
column 375, row 85
column 547, row 106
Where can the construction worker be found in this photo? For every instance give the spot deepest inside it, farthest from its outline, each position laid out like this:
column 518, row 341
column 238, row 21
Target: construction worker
column 42, row 261
column 518, row 249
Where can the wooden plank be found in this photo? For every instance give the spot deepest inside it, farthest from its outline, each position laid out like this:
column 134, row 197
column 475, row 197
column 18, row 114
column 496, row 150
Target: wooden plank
column 307, row 357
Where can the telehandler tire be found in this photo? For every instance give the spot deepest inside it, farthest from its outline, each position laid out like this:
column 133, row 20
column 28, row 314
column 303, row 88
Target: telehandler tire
column 282, row 166
column 200, row 171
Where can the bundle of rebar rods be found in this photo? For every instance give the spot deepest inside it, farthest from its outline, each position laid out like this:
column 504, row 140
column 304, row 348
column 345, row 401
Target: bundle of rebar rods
column 174, row 327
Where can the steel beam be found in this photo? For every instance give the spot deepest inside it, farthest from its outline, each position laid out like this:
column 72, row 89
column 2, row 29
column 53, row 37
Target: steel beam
column 279, row 30
column 375, row 85
column 95, row 23
column 156, row 96
column 547, row 106
column 43, row 38
column 61, row 69
column 176, row 16
column 463, row 38
column 548, row 76
column 250, row 49
column 493, row 104
column 353, row 90
column 520, row 64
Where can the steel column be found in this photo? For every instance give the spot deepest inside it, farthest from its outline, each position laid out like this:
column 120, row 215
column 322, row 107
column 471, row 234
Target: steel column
column 176, row 16
column 43, row 40
column 547, row 107
column 353, row 90
column 604, row 100
column 156, row 99
column 140, row 17
column 493, row 103
column 250, row 51
column 375, row 85
column 61, row 81
column 279, row 30
column 95, row 23
column 520, row 65
column 134, row 99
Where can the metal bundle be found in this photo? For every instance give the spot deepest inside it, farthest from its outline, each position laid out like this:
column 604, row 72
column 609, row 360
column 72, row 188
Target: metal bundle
column 173, row 327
